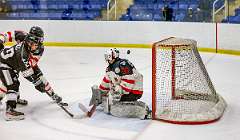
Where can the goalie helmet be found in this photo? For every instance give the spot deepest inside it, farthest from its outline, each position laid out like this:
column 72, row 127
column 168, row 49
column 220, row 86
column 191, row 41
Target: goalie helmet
column 111, row 54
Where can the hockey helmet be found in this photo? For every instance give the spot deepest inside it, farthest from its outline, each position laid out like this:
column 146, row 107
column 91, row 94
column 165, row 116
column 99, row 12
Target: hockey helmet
column 31, row 40
column 111, row 54
column 38, row 32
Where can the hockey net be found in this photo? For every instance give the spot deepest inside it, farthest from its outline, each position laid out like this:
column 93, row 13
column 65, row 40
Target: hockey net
column 182, row 90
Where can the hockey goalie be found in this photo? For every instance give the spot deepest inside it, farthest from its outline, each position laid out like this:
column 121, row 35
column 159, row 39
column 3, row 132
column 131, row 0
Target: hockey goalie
column 120, row 89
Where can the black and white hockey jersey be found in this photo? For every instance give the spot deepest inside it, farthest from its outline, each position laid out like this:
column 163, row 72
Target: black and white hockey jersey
column 18, row 58
column 19, row 36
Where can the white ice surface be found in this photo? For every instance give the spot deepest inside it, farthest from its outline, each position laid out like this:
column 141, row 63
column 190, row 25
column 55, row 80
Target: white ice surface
column 72, row 71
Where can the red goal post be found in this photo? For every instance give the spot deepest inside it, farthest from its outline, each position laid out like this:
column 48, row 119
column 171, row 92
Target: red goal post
column 182, row 92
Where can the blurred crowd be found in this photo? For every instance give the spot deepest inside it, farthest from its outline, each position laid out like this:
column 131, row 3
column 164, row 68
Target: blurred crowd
column 4, row 8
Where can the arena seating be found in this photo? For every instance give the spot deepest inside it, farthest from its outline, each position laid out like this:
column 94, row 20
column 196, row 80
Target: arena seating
column 235, row 18
column 56, row 9
column 152, row 9
column 140, row 10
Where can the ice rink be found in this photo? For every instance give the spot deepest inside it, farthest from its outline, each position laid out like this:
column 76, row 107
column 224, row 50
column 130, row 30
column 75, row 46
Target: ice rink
column 72, row 72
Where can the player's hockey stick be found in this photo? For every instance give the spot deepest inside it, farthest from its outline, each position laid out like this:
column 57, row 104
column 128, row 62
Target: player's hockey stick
column 63, row 105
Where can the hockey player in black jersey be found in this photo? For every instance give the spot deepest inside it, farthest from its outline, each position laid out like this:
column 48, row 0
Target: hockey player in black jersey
column 22, row 58
column 12, row 36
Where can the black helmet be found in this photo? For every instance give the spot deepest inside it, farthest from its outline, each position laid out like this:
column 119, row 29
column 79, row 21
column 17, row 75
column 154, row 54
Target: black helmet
column 30, row 39
column 37, row 31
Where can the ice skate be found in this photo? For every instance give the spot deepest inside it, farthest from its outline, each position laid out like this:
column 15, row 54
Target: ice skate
column 22, row 102
column 11, row 113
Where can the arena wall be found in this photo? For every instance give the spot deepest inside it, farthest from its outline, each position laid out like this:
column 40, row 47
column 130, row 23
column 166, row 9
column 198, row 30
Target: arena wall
column 129, row 34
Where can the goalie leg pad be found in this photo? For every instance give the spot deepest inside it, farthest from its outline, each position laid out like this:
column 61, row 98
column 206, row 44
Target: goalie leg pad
column 109, row 100
column 106, row 104
column 96, row 96
column 136, row 109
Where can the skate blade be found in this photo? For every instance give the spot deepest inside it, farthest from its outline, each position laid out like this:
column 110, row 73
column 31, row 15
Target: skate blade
column 13, row 118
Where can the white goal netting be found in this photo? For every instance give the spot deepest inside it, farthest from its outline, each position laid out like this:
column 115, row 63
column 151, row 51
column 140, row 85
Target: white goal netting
column 182, row 90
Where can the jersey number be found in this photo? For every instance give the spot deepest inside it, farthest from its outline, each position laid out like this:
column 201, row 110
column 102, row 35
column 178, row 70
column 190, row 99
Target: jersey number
column 6, row 53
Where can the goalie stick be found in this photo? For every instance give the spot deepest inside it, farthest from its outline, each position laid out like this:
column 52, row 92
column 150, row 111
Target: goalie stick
column 90, row 112
column 85, row 110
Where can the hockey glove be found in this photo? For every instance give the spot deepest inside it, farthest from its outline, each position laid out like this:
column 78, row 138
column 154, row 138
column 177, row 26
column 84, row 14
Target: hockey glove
column 56, row 98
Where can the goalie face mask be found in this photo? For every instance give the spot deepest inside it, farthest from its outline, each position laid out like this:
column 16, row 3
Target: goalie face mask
column 111, row 55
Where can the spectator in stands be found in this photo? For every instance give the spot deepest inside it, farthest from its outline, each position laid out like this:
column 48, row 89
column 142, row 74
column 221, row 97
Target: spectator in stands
column 36, row 5
column 167, row 13
column 190, row 15
column 1, row 6
column 4, row 8
column 67, row 13
column 204, row 10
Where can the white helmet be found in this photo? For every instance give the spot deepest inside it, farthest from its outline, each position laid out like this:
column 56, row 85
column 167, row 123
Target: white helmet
column 111, row 54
